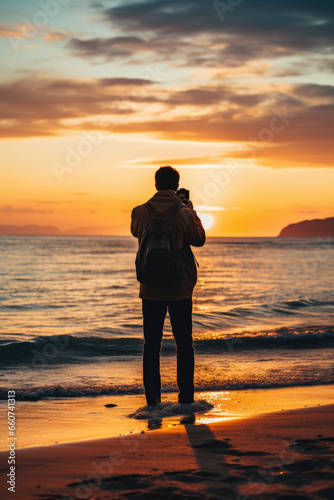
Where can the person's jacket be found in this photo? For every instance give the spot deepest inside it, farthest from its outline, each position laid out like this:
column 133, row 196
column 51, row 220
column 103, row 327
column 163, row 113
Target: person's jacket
column 189, row 230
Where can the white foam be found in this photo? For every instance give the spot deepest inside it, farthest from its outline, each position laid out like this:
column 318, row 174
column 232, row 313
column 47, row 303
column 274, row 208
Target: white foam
column 168, row 409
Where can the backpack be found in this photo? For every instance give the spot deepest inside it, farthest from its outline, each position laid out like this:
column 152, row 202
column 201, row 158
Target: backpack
column 159, row 262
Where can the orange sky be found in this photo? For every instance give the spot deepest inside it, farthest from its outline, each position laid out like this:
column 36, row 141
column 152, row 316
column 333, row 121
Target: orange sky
column 97, row 97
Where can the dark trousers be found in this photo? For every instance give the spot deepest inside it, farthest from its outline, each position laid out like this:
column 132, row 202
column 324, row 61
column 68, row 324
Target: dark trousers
column 154, row 313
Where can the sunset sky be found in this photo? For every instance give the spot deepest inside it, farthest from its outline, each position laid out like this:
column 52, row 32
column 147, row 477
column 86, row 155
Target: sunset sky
column 237, row 95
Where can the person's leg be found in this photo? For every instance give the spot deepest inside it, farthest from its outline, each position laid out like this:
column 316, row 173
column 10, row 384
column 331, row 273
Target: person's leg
column 154, row 313
column 180, row 312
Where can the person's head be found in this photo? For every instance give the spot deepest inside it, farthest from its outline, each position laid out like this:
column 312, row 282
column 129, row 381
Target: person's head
column 167, row 178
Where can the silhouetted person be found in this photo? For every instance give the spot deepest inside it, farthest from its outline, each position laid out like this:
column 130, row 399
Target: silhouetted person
column 165, row 228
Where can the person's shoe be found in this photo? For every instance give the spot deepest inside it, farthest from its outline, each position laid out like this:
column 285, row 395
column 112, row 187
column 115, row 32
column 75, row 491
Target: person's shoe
column 186, row 401
column 154, row 403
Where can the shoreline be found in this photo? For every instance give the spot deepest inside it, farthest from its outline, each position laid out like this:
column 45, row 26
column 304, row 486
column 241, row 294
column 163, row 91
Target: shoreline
column 267, row 455
column 69, row 420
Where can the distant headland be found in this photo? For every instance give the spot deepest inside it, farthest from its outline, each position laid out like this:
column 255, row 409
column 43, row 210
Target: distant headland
column 310, row 228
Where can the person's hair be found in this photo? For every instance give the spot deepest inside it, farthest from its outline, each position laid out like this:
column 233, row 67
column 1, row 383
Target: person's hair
column 167, row 178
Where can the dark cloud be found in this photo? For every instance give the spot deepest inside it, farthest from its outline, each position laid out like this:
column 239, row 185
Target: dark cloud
column 192, row 32
column 97, row 5
column 127, row 82
column 315, row 91
column 129, row 48
column 289, row 23
column 215, row 96
column 111, row 48
column 36, row 106
column 198, row 16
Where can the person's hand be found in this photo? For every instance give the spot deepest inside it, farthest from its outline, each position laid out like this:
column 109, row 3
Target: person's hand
column 190, row 205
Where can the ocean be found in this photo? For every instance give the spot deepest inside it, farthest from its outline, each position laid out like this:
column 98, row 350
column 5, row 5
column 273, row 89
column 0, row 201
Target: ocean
column 71, row 324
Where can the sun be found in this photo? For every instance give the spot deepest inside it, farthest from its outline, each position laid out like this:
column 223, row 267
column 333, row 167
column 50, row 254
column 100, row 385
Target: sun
column 207, row 220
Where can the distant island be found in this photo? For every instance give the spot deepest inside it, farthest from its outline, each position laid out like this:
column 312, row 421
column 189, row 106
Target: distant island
column 35, row 230
column 310, row 228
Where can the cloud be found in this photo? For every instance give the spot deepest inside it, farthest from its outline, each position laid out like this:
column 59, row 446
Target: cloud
column 42, row 106
column 16, row 31
column 53, row 36
column 196, row 16
column 191, row 33
column 97, row 5
column 302, row 137
column 207, row 97
column 192, row 161
column 209, row 208
column 111, row 48
column 24, row 33
column 315, row 92
column 114, row 82
column 277, row 124
column 35, row 106
column 251, row 30
column 23, row 210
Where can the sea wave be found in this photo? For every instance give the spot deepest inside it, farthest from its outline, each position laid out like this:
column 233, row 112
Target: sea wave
column 77, row 391
column 69, row 349
column 276, row 242
column 259, row 310
column 279, row 308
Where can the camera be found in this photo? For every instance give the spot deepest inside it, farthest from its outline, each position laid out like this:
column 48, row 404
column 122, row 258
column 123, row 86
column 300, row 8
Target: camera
column 183, row 194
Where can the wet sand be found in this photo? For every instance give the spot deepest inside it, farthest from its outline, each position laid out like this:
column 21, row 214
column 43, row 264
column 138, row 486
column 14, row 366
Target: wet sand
column 282, row 455
column 64, row 420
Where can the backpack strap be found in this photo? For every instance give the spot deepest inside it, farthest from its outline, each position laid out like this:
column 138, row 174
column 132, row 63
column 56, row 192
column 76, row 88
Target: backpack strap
column 171, row 211
column 150, row 208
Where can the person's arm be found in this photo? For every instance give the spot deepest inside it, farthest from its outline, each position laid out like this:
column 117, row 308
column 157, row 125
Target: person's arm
column 134, row 223
column 195, row 233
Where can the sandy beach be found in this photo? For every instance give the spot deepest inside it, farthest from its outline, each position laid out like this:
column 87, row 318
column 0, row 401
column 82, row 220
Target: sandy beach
column 64, row 420
column 284, row 454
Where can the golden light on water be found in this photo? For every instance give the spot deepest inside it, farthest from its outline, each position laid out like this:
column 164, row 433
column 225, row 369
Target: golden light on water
column 213, row 420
